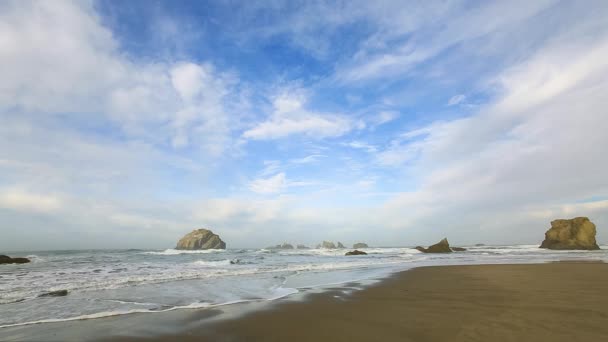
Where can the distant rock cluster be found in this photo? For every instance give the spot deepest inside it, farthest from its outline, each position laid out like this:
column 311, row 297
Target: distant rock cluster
column 5, row 259
column 330, row 245
column 565, row 234
column 200, row 239
column 284, row 245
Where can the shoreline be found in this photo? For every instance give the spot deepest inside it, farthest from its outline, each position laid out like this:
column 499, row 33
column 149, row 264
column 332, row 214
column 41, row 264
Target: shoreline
column 402, row 294
column 558, row 301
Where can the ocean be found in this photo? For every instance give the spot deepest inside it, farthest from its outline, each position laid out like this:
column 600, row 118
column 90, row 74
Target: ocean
column 105, row 283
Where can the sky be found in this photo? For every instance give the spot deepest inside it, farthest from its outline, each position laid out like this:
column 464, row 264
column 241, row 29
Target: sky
column 126, row 124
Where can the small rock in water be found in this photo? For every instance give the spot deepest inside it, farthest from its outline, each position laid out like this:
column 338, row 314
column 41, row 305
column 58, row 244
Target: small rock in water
column 58, row 293
column 5, row 259
column 355, row 252
column 458, row 249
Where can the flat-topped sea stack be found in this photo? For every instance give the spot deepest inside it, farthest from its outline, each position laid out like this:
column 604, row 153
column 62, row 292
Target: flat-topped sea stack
column 576, row 233
column 200, row 239
column 442, row 246
column 360, row 245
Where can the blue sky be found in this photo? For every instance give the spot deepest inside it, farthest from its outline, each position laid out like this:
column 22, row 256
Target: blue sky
column 127, row 124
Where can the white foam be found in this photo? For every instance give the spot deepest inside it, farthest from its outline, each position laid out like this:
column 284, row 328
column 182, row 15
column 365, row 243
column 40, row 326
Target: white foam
column 217, row 263
column 179, row 251
column 279, row 292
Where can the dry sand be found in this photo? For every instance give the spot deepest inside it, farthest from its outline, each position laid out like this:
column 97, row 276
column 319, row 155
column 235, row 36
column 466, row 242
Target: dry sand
column 543, row 302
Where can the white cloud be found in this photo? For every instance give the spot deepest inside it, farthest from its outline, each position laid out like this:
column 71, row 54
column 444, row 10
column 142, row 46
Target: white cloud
column 361, row 145
column 456, row 99
column 407, row 37
column 539, row 146
column 22, row 200
column 290, row 117
column 62, row 60
column 187, row 79
column 385, row 117
column 272, row 185
column 307, row 160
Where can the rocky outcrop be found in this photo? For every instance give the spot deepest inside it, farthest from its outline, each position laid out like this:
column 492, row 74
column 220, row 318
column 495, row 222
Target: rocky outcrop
column 442, row 246
column 340, row 245
column 458, row 249
column 327, row 244
column 576, row 233
column 285, row 245
column 201, row 239
column 58, row 293
column 5, row 259
column 479, row 245
column 301, row 247
column 355, row 252
column 360, row 245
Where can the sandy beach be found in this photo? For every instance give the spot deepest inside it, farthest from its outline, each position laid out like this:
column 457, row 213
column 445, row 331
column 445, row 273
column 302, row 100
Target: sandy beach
column 541, row 302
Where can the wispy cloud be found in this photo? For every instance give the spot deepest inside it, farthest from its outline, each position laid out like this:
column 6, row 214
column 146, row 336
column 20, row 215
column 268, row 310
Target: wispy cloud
column 290, row 117
column 456, row 99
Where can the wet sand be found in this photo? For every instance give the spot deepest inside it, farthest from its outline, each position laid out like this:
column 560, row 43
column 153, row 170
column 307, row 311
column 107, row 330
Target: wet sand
column 541, row 302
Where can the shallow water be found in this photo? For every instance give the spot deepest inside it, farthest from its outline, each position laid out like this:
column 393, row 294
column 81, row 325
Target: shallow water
column 114, row 282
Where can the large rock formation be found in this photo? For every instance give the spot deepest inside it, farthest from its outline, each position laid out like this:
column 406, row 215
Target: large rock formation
column 355, row 252
column 201, row 239
column 576, row 233
column 360, row 245
column 340, row 245
column 326, row 244
column 5, row 259
column 442, row 246
column 302, row 247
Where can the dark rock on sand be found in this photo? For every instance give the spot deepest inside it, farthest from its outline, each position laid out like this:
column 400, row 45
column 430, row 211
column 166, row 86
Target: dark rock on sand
column 201, row 239
column 576, row 233
column 360, row 245
column 58, row 293
column 355, row 252
column 458, row 249
column 442, row 246
column 5, row 259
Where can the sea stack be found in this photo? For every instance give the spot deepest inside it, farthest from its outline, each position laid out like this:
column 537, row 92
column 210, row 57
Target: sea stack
column 5, row 259
column 360, row 245
column 285, row 245
column 200, row 239
column 327, row 245
column 576, row 233
column 442, row 246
